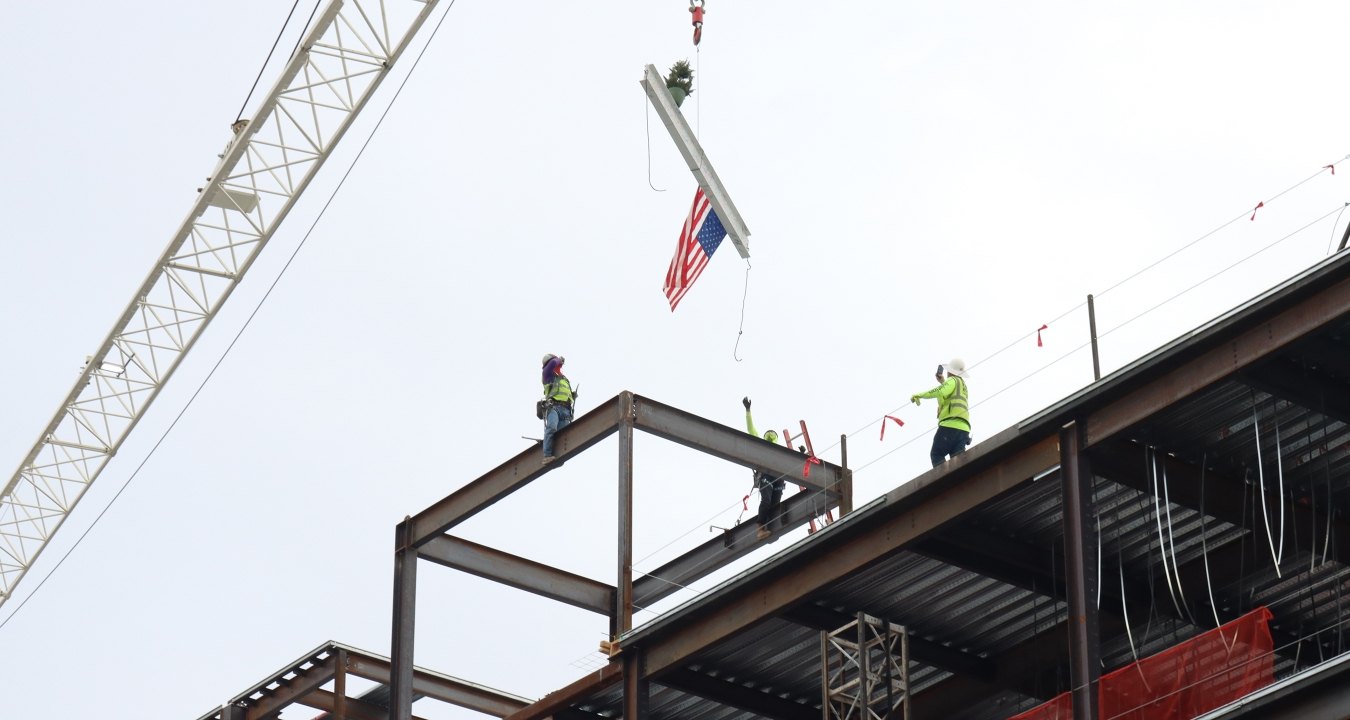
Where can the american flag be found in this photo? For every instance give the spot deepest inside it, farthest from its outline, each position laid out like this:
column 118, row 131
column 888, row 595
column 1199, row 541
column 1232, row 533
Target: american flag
column 699, row 238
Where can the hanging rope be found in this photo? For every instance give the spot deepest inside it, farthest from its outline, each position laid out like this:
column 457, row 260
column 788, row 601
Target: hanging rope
column 1152, row 459
column 648, row 126
column 741, row 330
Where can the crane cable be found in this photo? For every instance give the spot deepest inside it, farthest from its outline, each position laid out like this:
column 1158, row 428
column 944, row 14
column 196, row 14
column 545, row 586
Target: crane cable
column 268, row 59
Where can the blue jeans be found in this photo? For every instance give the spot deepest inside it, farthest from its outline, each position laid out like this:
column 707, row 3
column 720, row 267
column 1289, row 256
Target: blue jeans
column 948, row 441
column 557, row 418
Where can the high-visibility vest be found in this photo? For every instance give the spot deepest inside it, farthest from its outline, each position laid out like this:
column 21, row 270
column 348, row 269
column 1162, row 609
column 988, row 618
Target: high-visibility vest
column 954, row 410
column 560, row 390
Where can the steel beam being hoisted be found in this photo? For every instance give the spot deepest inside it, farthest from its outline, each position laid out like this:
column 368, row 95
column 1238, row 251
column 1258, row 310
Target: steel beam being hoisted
column 268, row 162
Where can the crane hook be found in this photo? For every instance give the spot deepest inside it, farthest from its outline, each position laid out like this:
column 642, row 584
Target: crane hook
column 696, row 9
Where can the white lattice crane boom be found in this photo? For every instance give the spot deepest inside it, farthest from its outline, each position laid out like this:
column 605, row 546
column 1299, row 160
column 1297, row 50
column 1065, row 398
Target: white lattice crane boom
column 340, row 63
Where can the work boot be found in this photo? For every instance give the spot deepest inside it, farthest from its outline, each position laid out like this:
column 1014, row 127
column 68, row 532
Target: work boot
column 763, row 533
column 548, row 459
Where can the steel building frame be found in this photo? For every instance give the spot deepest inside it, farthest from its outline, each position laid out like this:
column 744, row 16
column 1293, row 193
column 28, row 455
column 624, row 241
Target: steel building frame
column 302, row 683
column 424, row 536
column 1071, row 443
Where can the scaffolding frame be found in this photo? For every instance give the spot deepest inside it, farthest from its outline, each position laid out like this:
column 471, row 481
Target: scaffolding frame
column 862, row 675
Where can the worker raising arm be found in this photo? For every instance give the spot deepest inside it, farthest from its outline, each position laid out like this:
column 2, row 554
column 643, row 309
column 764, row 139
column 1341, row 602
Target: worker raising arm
column 953, row 433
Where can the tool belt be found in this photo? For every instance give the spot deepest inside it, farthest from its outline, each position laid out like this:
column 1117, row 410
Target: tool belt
column 541, row 407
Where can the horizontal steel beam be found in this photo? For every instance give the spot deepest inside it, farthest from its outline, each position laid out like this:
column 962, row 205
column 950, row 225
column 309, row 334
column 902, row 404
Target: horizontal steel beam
column 922, row 651
column 426, row 683
column 735, row 695
column 559, row 701
column 288, row 690
column 722, row 550
column 515, row 473
column 733, row 445
column 356, row 709
column 520, row 573
column 1188, row 377
column 909, row 512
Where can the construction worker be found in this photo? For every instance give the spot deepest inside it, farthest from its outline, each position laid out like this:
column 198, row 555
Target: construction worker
column 953, row 433
column 770, row 487
column 559, row 399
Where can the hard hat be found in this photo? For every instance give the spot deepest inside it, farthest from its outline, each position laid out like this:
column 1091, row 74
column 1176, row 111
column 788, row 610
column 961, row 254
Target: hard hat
column 548, row 357
column 957, row 367
column 771, row 436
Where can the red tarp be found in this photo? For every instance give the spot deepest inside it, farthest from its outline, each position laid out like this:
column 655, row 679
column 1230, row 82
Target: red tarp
column 1185, row 680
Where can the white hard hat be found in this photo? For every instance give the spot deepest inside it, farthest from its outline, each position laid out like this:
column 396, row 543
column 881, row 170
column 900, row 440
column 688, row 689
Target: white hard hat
column 548, row 357
column 956, row 366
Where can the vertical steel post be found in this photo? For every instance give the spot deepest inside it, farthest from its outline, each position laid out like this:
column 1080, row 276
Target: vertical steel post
column 845, row 479
column 405, row 608
column 340, row 685
column 1080, row 569
column 636, row 689
column 230, row 711
column 623, row 613
column 1092, row 330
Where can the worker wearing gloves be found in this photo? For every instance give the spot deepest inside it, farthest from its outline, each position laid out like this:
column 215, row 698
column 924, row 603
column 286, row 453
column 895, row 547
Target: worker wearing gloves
column 559, row 399
column 953, row 433
column 770, row 487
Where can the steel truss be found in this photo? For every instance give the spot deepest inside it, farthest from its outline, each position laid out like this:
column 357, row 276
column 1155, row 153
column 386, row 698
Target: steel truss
column 865, row 670
column 268, row 162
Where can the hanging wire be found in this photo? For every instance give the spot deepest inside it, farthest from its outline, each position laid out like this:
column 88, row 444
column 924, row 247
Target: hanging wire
column 1152, row 459
column 1171, row 542
column 1261, row 479
column 648, row 126
column 1334, row 223
column 268, row 59
column 741, row 330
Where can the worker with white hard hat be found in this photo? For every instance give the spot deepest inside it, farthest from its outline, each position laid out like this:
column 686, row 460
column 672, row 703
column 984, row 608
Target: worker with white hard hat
column 953, row 433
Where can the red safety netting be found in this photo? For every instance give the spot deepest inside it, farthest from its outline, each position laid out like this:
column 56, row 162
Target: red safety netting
column 1185, row 680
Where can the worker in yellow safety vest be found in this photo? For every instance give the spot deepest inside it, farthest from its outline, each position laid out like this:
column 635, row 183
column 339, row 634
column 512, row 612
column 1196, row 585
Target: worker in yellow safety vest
column 559, row 400
column 770, row 486
column 953, row 433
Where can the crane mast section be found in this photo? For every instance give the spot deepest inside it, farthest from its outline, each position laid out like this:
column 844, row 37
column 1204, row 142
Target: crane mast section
column 265, row 167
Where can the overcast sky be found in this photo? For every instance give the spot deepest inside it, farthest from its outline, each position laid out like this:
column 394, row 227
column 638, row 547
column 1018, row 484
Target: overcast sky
column 921, row 181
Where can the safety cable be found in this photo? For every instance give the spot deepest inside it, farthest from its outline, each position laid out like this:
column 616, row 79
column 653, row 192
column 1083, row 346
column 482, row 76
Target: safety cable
column 268, row 59
column 247, row 322
column 1334, row 223
column 1019, row 381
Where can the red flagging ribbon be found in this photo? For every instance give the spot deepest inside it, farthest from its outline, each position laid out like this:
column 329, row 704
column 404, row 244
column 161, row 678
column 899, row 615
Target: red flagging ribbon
column 897, row 420
column 1332, row 166
column 806, row 469
column 1258, row 207
column 745, row 503
column 1038, row 335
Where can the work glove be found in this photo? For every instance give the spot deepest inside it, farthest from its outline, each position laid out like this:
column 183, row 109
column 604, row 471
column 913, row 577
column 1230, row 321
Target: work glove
column 914, row 399
column 746, row 402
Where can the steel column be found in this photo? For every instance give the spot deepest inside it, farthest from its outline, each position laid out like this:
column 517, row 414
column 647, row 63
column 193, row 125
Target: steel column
column 340, row 686
column 636, row 688
column 1080, row 561
column 623, row 609
column 1092, row 330
column 845, row 479
column 405, row 608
